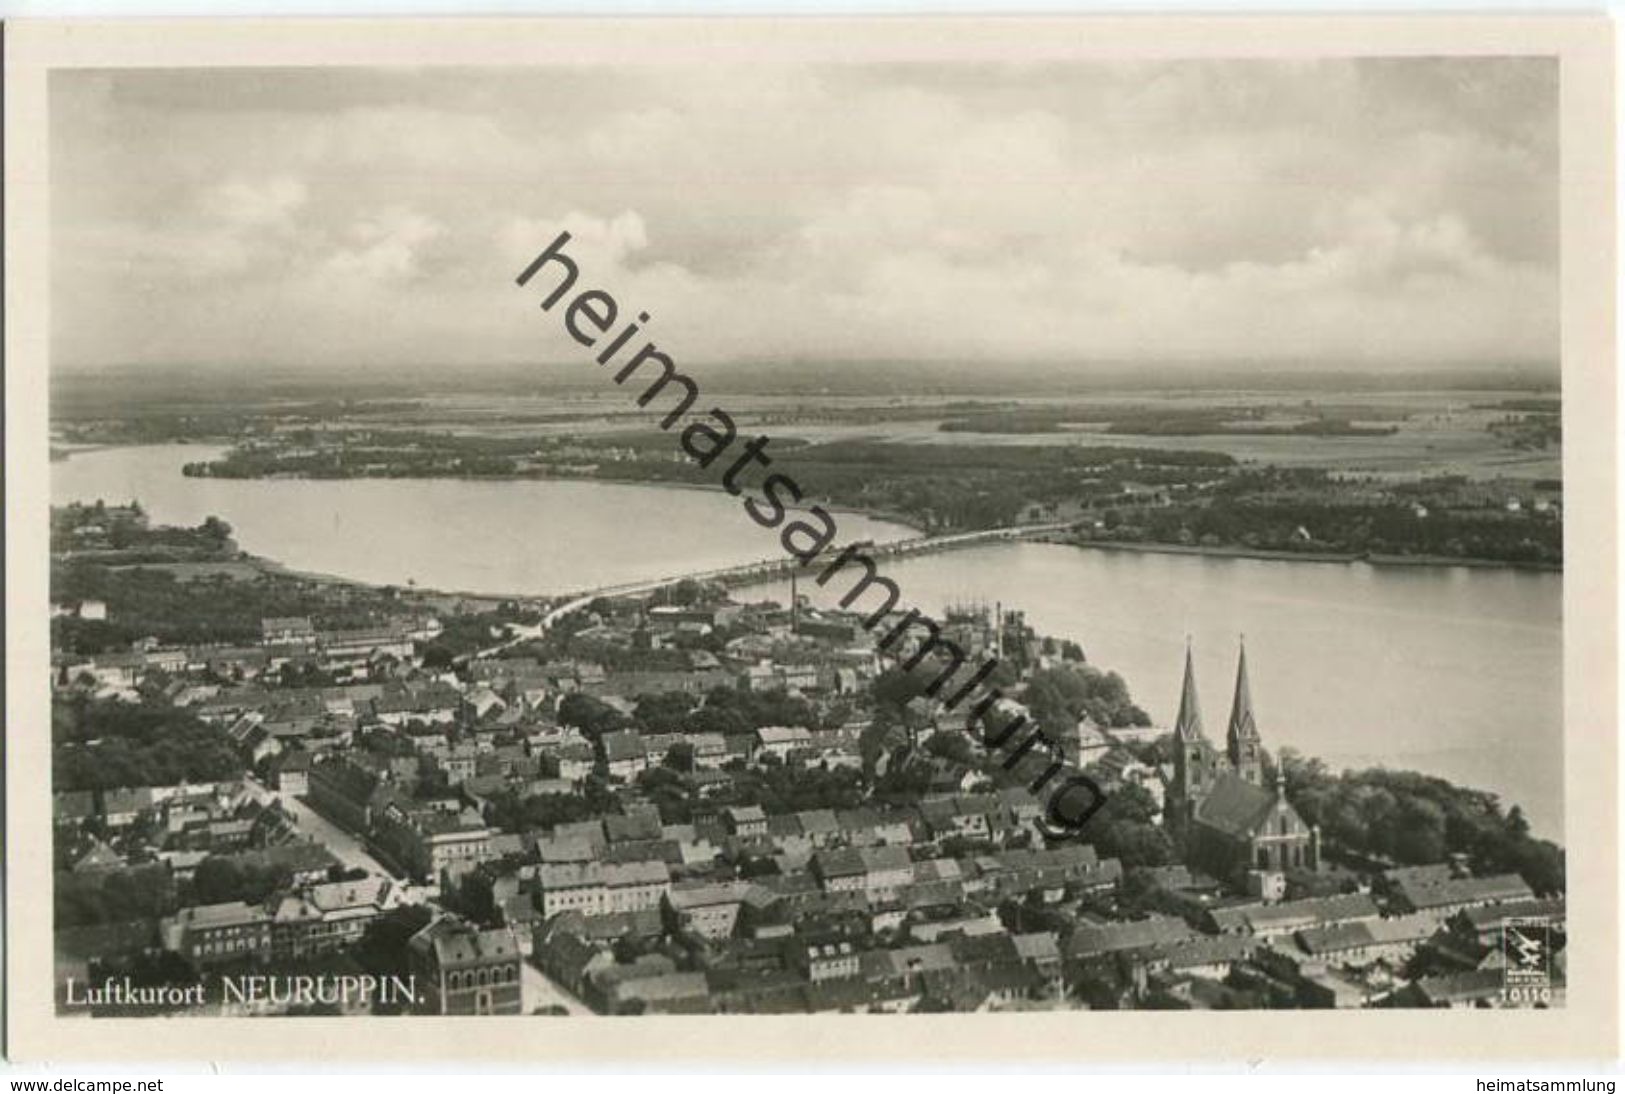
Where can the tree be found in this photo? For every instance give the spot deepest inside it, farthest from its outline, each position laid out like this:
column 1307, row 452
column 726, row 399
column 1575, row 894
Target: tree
column 216, row 881
column 592, row 716
column 1416, row 818
column 1134, row 843
column 680, row 757
column 1058, row 697
column 952, row 745
column 662, row 711
column 216, row 530
column 108, row 744
column 687, row 592
column 382, row 950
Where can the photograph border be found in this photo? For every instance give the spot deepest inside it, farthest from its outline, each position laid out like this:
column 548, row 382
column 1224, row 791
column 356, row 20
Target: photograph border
column 1586, row 1028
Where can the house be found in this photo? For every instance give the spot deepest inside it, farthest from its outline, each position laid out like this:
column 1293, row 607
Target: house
column 708, row 908
column 1272, row 920
column 574, row 759
column 710, row 750
column 819, row 826
column 1090, row 941
column 432, row 842
column 326, row 917
column 1486, row 923
column 288, row 631
column 341, row 647
column 1041, row 950
column 637, row 823
column 639, row 989
column 1363, row 942
column 1453, row 991
column 459, row 763
column 878, row 871
column 780, row 741
column 213, row 934
column 291, row 773
column 747, row 820
column 296, row 715
column 305, row 863
column 98, row 859
column 625, row 754
column 117, row 670
column 346, row 792
column 436, row 704
column 835, row 960
column 1209, row 958
column 482, row 702
column 600, row 888
column 1444, row 897
column 72, row 806
column 122, row 808
column 860, row 996
column 460, row 969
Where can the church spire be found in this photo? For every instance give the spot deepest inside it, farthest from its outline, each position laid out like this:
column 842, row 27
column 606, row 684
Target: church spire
column 1196, row 763
column 1189, row 724
column 1242, row 740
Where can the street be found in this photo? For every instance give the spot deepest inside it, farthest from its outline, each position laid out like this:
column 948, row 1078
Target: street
column 345, row 847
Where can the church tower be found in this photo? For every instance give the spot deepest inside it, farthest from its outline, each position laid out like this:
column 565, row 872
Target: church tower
column 1194, row 759
column 1243, row 745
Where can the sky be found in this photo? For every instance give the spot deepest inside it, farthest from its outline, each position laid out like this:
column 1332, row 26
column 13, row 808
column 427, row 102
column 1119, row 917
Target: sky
column 1384, row 213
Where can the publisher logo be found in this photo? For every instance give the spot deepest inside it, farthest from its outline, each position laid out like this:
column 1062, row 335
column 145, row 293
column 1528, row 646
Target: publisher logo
column 1526, row 945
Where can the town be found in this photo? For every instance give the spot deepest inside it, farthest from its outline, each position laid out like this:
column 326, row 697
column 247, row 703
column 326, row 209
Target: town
column 672, row 801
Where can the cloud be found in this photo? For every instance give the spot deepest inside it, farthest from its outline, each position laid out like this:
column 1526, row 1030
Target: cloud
column 255, row 204
column 1383, row 211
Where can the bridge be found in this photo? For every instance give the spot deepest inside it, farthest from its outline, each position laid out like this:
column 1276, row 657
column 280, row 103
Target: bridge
column 749, row 572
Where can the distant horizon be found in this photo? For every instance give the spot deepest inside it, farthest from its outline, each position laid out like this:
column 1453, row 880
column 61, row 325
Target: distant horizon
column 1181, row 373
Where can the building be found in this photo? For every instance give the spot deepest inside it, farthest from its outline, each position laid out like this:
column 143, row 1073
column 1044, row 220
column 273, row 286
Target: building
column 747, row 820
column 1233, row 825
column 218, row 934
column 288, row 631
column 326, row 917
column 350, row 646
column 345, row 793
column 462, row 970
column 1443, row 897
column 601, row 888
column 314, row 918
column 780, row 741
column 625, row 754
column 432, row 842
column 835, row 960
column 709, row 909
column 878, row 871
column 291, row 773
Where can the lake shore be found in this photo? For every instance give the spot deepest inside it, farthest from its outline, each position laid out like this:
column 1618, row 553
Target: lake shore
column 1337, row 557
column 911, row 523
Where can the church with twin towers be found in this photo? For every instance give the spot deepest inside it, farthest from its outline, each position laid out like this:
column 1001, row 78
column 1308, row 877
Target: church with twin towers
column 1235, row 822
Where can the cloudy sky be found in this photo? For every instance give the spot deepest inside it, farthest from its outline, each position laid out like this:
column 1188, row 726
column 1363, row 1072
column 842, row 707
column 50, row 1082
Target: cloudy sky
column 1392, row 213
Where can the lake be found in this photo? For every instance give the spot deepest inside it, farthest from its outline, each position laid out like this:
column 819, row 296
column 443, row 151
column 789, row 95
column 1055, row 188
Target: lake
column 1454, row 671
column 465, row 535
